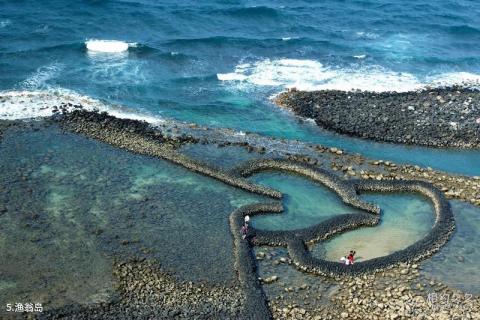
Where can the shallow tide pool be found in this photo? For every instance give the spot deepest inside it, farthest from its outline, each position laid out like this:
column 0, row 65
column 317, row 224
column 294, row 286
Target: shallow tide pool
column 306, row 203
column 457, row 263
column 70, row 205
column 405, row 219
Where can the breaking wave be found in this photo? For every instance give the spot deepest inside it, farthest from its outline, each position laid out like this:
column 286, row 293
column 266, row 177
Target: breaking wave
column 39, row 79
column 312, row 75
column 27, row 104
column 108, row 46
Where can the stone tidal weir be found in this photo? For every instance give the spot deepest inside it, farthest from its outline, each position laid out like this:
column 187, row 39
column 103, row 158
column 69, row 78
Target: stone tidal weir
column 140, row 138
column 138, row 279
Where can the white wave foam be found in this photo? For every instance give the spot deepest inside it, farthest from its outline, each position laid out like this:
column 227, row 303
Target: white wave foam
column 108, row 46
column 290, row 38
column 15, row 105
column 283, row 72
column 39, row 79
column 463, row 78
column 230, row 76
column 360, row 56
column 371, row 79
column 366, row 35
column 312, row 75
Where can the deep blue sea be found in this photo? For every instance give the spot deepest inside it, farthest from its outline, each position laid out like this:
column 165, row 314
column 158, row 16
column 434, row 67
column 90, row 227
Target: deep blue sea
column 218, row 63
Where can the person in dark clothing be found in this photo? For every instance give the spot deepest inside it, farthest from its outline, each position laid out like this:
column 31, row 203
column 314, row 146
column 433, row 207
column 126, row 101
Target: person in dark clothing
column 244, row 229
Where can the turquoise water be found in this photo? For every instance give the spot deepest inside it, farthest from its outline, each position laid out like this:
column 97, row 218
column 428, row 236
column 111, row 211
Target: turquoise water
column 217, row 63
column 74, row 204
column 457, row 263
column 306, row 203
column 405, row 219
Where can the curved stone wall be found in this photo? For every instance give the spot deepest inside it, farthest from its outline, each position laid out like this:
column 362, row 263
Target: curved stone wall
column 256, row 305
column 295, row 240
column 140, row 138
column 343, row 188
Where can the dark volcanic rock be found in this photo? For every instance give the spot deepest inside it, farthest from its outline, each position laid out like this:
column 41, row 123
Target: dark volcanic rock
column 6, row 124
column 441, row 117
column 3, row 126
column 145, row 292
column 82, row 118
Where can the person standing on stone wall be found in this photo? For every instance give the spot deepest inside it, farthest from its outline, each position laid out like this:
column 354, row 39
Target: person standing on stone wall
column 244, row 229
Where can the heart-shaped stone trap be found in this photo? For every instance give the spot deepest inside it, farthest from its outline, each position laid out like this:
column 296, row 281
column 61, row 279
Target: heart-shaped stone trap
column 296, row 240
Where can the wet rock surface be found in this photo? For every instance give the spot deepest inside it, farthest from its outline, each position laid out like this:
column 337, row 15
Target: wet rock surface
column 442, row 117
column 349, row 165
column 6, row 124
column 3, row 126
column 398, row 293
column 141, row 138
column 144, row 291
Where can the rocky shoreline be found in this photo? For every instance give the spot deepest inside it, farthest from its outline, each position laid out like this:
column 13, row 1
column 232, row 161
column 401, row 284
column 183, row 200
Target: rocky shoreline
column 454, row 186
column 145, row 292
column 140, row 138
column 440, row 117
column 398, row 293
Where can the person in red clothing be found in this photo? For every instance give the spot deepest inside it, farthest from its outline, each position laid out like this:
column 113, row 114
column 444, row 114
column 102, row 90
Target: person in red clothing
column 351, row 257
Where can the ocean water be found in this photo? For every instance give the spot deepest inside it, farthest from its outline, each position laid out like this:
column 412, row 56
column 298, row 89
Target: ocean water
column 218, row 63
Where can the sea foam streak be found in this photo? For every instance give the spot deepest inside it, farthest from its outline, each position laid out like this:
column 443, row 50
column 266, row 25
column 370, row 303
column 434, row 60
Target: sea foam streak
column 15, row 105
column 360, row 56
column 107, row 46
column 40, row 78
column 282, row 72
column 231, row 76
column 312, row 75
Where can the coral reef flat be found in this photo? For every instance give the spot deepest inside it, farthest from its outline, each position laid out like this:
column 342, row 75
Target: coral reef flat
column 173, row 248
